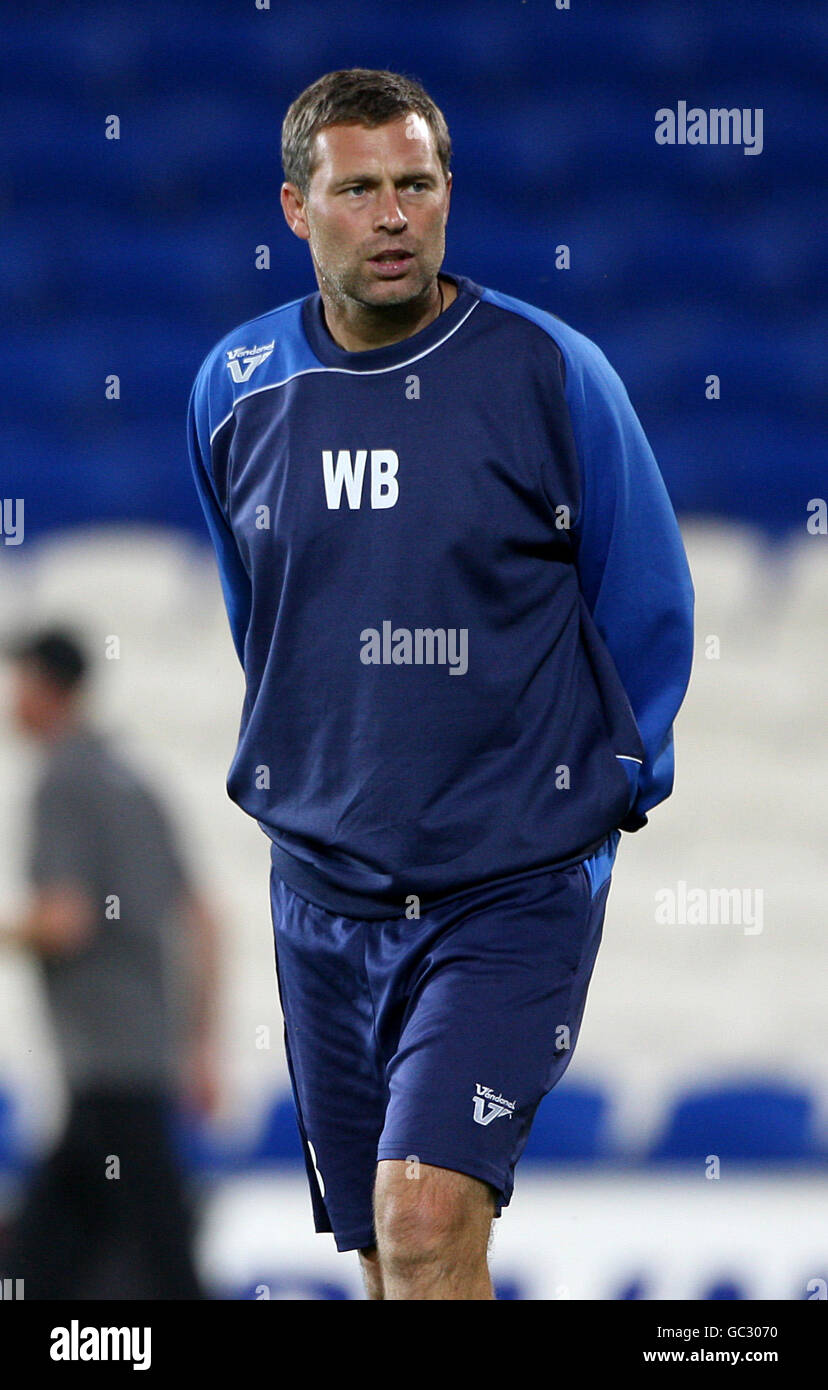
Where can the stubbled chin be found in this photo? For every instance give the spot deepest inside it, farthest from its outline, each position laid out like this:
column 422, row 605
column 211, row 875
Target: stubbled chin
column 404, row 295
column 409, row 285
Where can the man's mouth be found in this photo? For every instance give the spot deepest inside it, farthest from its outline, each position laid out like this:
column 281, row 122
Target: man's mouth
column 392, row 262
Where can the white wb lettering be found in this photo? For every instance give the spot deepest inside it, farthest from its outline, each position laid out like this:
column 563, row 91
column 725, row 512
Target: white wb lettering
column 348, row 473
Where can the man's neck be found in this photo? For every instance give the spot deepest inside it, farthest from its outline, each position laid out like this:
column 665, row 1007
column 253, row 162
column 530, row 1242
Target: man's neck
column 365, row 328
column 63, row 728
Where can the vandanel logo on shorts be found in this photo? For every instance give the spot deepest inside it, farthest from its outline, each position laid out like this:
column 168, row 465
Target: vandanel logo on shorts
column 489, row 1106
column 243, row 361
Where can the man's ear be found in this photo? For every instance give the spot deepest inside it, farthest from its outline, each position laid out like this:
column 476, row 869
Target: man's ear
column 449, row 182
column 293, row 206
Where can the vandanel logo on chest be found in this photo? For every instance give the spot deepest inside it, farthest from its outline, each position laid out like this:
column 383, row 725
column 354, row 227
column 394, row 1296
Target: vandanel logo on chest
column 243, row 361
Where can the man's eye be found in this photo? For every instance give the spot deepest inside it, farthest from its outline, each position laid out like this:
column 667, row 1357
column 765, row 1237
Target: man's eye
column 418, row 183
column 356, row 188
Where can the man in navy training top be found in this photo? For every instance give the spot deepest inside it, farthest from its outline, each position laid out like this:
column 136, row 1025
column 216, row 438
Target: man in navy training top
column 457, row 587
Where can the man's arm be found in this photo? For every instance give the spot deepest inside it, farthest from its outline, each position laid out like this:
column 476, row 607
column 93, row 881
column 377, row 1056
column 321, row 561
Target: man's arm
column 201, row 934
column 58, row 921
column 235, row 581
column 632, row 566
column 60, row 917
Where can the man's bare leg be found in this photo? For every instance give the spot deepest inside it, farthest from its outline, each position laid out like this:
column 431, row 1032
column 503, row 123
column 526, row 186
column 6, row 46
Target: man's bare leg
column 371, row 1272
column 432, row 1232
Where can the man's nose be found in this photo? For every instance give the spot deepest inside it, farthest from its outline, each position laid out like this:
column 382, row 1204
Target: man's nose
column 389, row 212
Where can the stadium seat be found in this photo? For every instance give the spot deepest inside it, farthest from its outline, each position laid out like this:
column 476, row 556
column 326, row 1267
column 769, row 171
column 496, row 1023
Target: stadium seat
column 759, row 1122
column 724, row 1290
column 202, row 1149
column 570, row 1125
column 278, row 1140
column 290, row 1287
column 14, row 1153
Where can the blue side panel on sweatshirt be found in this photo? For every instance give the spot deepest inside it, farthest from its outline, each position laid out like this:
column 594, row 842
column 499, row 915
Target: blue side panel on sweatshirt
column 212, row 400
column 457, row 589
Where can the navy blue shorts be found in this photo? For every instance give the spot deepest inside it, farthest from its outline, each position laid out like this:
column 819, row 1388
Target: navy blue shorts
column 434, row 1039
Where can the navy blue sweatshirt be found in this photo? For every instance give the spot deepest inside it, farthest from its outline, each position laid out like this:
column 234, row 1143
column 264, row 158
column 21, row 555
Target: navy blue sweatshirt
column 458, row 590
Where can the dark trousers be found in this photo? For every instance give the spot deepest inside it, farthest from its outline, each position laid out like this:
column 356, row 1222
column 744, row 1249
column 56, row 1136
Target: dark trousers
column 105, row 1216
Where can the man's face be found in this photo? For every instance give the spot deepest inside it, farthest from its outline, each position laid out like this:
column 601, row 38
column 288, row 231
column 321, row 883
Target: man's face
column 35, row 700
column 376, row 211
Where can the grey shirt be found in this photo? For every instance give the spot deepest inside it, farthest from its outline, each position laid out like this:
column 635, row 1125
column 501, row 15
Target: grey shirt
column 115, row 1002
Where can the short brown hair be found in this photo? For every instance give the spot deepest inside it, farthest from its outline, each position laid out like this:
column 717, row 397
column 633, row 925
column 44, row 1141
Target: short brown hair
column 363, row 96
column 56, row 653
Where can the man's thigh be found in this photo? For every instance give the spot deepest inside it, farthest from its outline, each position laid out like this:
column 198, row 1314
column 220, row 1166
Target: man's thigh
column 430, row 1041
column 495, row 1003
column 336, row 1072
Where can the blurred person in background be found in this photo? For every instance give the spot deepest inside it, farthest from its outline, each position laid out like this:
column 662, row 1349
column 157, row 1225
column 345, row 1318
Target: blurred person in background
column 126, row 950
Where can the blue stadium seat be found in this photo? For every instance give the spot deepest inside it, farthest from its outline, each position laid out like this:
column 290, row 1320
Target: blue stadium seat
column 570, row 1125
column 724, row 1290
column 278, row 1141
column 635, row 1288
column 199, row 1148
column 291, row 1287
column 747, row 1122
column 203, row 1149
column 7, row 1146
column 728, row 465
column 15, row 1155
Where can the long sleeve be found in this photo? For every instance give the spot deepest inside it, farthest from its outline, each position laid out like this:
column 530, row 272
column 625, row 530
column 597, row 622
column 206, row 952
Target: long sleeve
column 235, row 581
column 632, row 566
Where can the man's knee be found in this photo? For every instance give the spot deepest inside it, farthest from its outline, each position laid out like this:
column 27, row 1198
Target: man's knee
column 438, row 1217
